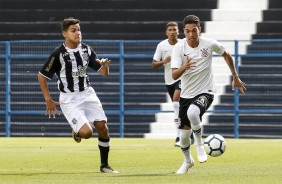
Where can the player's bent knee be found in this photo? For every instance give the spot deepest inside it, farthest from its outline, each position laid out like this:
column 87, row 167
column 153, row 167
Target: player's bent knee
column 85, row 132
column 101, row 126
column 88, row 135
column 193, row 112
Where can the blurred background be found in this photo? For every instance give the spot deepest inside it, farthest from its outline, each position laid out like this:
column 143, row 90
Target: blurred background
column 134, row 95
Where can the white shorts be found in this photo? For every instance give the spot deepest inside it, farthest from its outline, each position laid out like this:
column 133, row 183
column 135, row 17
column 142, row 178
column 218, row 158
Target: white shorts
column 82, row 107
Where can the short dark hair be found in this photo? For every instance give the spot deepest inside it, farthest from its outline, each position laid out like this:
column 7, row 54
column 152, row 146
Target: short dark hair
column 191, row 19
column 67, row 22
column 171, row 24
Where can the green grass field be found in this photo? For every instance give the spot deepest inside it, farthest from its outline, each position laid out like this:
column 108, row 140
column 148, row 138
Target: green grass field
column 61, row 160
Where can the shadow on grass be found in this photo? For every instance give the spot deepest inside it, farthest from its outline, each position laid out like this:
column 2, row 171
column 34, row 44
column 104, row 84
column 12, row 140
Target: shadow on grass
column 141, row 175
column 42, row 173
column 97, row 174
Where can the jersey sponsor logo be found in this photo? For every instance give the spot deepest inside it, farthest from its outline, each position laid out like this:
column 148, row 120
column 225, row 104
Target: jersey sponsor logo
column 205, row 52
column 81, row 71
column 50, row 64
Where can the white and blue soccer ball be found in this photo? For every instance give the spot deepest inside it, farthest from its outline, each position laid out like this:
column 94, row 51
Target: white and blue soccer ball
column 215, row 145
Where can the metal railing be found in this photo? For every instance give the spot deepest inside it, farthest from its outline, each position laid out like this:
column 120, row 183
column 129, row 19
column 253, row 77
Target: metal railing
column 8, row 56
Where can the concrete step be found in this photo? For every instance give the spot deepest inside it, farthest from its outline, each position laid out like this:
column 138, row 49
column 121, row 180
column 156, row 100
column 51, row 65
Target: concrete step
column 272, row 14
column 105, row 4
column 227, row 36
column 242, row 5
column 165, row 117
column 269, row 27
column 159, row 136
column 275, row 4
column 34, row 15
column 237, row 15
column 267, row 36
column 241, row 27
column 161, row 130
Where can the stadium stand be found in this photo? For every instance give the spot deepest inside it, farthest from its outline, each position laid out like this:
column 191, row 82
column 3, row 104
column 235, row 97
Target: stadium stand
column 242, row 20
column 271, row 26
column 261, row 74
column 107, row 19
column 101, row 19
column 145, row 20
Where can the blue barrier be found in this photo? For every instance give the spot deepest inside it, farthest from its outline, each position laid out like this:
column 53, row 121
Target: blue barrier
column 121, row 55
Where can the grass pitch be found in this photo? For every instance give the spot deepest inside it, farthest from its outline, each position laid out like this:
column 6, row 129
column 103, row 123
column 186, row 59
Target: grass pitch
column 62, row 161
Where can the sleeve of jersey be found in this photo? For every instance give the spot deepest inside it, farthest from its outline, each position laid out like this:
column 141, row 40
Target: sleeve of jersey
column 218, row 48
column 93, row 63
column 50, row 67
column 158, row 54
column 176, row 57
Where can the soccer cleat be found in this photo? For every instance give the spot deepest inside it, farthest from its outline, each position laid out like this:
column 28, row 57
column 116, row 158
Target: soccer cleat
column 75, row 137
column 107, row 169
column 185, row 166
column 202, row 155
column 177, row 142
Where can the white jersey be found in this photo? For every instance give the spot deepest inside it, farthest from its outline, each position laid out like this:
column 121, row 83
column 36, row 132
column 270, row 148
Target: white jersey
column 200, row 79
column 164, row 49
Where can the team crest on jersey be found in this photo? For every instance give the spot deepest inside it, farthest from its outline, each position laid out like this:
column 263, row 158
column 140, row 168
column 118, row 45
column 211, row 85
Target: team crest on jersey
column 74, row 121
column 205, row 52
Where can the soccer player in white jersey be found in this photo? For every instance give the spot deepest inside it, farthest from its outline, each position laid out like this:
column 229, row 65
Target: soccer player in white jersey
column 191, row 60
column 78, row 100
column 162, row 57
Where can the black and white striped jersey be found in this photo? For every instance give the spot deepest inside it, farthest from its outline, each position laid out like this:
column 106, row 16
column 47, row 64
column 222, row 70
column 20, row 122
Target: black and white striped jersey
column 70, row 66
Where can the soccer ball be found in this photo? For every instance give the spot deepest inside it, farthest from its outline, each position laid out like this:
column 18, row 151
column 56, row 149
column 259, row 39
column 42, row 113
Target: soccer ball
column 215, row 145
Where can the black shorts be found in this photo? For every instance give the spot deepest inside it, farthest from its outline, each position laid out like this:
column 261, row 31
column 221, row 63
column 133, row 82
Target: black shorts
column 203, row 101
column 171, row 88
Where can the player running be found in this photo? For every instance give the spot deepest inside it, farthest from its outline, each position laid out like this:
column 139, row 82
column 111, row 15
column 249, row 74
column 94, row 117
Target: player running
column 78, row 100
column 191, row 60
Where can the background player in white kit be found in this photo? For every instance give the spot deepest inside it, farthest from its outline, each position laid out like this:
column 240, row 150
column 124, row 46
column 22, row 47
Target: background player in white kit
column 162, row 57
column 191, row 60
column 78, row 100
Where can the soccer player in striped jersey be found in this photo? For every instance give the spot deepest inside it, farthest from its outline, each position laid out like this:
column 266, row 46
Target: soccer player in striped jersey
column 191, row 60
column 162, row 57
column 78, row 100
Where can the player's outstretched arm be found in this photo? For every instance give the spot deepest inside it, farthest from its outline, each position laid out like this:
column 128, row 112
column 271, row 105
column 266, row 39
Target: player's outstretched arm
column 236, row 80
column 51, row 106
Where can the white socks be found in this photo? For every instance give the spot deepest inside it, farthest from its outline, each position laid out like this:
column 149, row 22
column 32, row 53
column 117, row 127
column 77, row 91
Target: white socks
column 175, row 108
column 176, row 112
column 185, row 144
